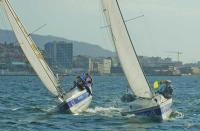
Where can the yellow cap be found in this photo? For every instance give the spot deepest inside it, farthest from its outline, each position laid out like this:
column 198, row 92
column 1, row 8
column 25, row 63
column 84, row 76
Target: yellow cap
column 156, row 85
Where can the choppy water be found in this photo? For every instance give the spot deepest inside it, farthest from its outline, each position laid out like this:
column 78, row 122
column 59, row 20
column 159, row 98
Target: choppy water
column 26, row 105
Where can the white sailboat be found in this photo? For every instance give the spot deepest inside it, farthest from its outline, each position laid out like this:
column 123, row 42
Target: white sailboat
column 148, row 104
column 76, row 100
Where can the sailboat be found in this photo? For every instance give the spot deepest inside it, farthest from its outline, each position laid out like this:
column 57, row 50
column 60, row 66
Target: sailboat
column 148, row 104
column 74, row 101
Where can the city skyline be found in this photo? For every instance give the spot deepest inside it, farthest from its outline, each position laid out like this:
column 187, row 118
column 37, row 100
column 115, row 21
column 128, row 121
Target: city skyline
column 166, row 25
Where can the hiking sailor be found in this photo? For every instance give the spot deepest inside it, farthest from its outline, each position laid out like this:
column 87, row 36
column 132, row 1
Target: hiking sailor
column 84, row 82
column 87, row 80
column 164, row 88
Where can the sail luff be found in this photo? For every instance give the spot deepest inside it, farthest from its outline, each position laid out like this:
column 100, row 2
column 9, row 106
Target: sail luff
column 125, row 49
column 31, row 51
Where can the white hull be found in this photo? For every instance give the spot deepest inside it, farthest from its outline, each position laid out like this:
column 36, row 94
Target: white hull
column 76, row 101
column 166, row 109
column 161, row 111
column 82, row 106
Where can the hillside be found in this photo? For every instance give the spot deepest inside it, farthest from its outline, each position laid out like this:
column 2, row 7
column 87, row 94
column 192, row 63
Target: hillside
column 80, row 48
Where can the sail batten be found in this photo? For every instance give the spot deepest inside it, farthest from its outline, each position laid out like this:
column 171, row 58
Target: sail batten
column 31, row 51
column 125, row 49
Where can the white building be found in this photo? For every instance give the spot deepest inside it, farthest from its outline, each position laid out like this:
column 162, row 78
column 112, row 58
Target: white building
column 100, row 66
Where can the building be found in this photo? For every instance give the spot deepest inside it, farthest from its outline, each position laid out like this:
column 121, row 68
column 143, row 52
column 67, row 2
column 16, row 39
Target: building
column 59, row 54
column 81, row 61
column 18, row 66
column 105, row 67
column 188, row 70
column 80, row 64
column 100, row 65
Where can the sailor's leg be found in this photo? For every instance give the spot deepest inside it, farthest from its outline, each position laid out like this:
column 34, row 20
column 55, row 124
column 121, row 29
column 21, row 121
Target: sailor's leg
column 88, row 90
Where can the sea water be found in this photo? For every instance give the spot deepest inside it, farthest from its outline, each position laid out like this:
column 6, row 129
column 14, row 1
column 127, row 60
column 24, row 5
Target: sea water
column 25, row 104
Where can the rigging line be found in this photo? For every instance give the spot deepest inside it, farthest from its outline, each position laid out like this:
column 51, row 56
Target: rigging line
column 107, row 17
column 106, row 20
column 110, row 30
column 126, row 21
column 4, row 23
column 2, row 16
column 39, row 28
column 134, row 18
column 21, row 28
column 58, row 88
column 112, row 35
column 132, row 43
column 25, row 32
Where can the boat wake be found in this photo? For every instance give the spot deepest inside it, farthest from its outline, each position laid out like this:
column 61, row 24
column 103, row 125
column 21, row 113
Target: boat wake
column 108, row 111
column 176, row 115
column 35, row 109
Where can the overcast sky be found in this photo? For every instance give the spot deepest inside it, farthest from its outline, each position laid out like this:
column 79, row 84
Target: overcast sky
column 167, row 25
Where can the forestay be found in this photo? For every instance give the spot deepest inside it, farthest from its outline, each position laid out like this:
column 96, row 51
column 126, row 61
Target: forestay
column 30, row 50
column 125, row 49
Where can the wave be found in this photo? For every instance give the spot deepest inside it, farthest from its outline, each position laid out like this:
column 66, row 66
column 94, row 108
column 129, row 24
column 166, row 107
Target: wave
column 108, row 111
column 34, row 109
column 103, row 109
column 176, row 115
column 15, row 109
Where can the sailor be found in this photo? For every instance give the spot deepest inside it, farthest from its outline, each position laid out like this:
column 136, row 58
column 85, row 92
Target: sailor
column 87, row 81
column 165, row 89
column 79, row 83
column 128, row 97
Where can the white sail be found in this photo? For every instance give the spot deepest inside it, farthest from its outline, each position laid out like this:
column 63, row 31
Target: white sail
column 125, row 49
column 30, row 50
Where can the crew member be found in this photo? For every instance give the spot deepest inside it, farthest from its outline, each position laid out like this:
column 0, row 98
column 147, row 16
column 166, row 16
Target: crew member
column 87, row 81
column 165, row 89
column 79, row 83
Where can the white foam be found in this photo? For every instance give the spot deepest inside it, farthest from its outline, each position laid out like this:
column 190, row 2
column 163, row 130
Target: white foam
column 103, row 110
column 15, row 109
column 176, row 115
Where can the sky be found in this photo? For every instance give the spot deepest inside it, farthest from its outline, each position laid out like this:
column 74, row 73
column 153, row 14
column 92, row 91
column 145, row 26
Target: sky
column 167, row 26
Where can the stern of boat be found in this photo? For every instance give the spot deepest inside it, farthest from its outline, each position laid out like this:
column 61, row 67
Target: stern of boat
column 157, row 108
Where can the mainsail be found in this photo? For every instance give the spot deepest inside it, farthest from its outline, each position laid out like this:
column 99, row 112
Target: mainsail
column 125, row 49
column 30, row 50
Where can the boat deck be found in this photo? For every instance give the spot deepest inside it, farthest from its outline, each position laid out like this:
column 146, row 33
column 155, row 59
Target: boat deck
column 140, row 104
column 72, row 92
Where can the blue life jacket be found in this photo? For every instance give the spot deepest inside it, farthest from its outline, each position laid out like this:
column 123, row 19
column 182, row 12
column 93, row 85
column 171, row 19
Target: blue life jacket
column 83, row 77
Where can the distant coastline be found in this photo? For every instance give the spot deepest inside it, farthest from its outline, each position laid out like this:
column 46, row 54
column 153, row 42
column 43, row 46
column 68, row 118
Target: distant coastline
column 93, row 75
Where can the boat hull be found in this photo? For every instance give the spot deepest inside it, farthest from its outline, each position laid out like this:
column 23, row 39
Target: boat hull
column 161, row 111
column 77, row 103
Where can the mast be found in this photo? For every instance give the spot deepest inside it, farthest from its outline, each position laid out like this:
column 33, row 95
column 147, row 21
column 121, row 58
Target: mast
column 31, row 51
column 125, row 49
